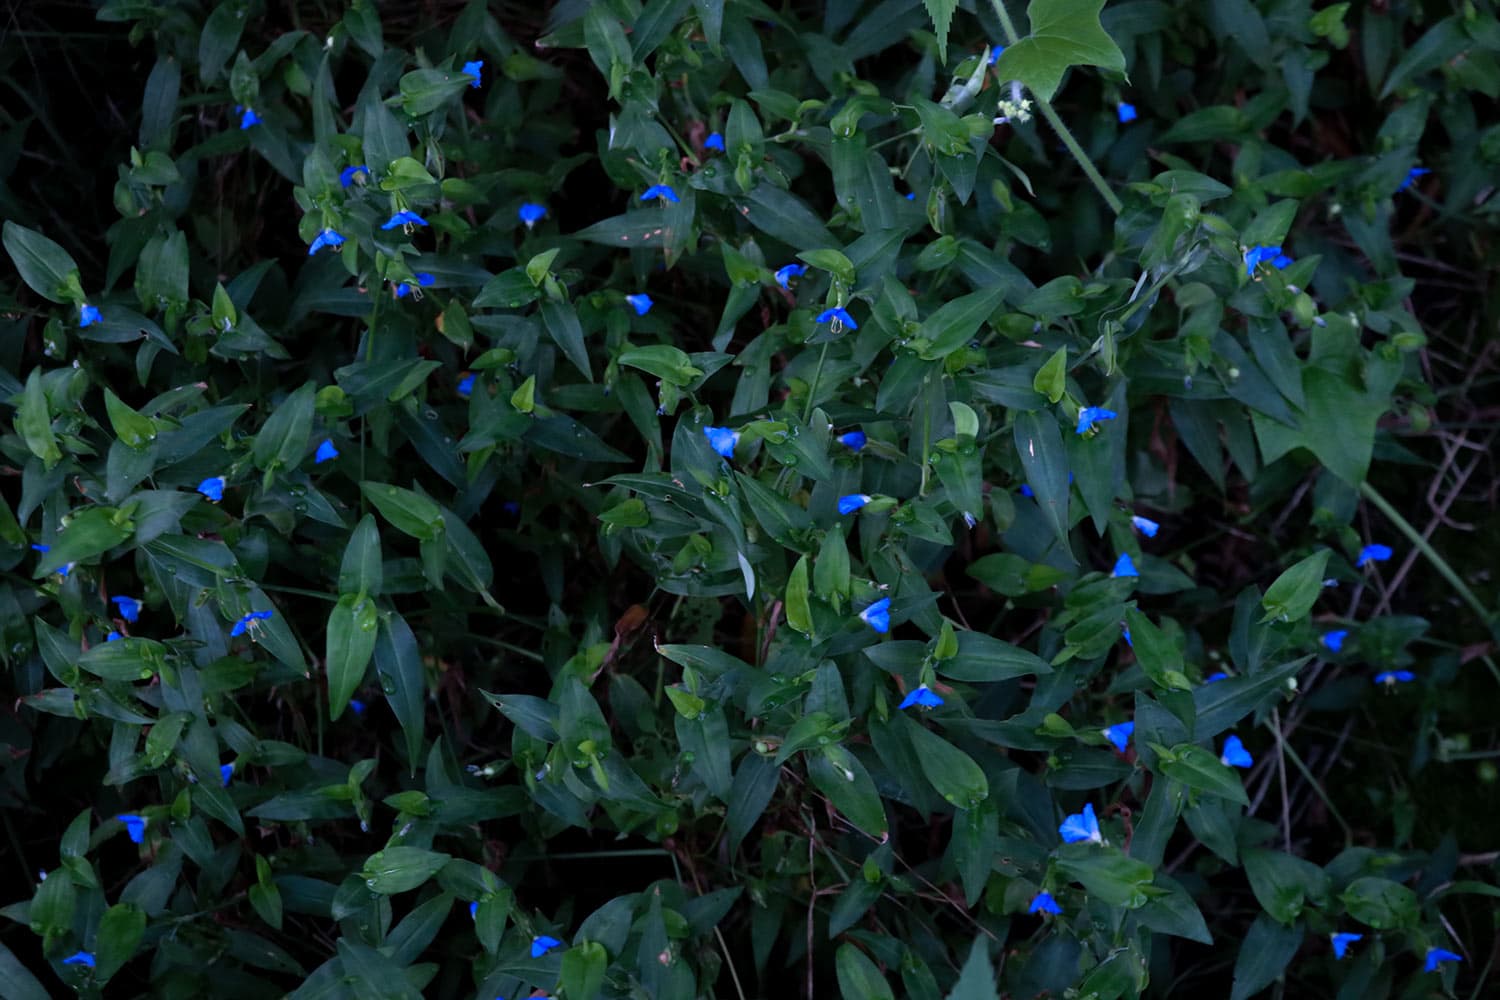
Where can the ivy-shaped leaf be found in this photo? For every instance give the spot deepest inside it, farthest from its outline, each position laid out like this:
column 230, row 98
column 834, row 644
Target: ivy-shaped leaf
column 1063, row 33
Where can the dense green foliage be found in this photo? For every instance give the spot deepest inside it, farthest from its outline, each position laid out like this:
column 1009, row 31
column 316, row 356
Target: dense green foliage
column 660, row 500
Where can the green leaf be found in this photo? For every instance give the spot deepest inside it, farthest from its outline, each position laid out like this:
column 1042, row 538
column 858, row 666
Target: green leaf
column 408, row 512
column 34, row 421
column 46, row 267
column 1107, row 874
column 1198, row 768
column 423, row 91
column 1264, row 954
column 398, row 664
column 860, row 977
column 1063, row 33
column 941, row 12
column 983, row 658
column 93, row 530
column 351, row 641
column 1045, row 460
column 131, row 427
column 1223, row 703
column 220, row 38
column 956, row 322
column 1156, row 653
column 1381, row 903
column 798, row 608
column 563, row 328
column 839, row 775
column 976, row 981
column 1296, row 590
column 1052, row 378
column 16, row 983
column 583, row 968
column 120, row 932
column 282, row 440
column 401, row 869
column 950, row 771
column 1281, row 881
column 362, row 569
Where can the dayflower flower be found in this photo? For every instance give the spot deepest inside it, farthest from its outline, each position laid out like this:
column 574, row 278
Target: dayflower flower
column 1412, row 175
column 542, row 944
column 1235, row 754
column 1374, row 552
column 226, row 771
column 466, row 384
column 787, row 272
column 1145, row 525
column 1341, row 942
column 406, row 218
column 80, row 958
column 87, row 315
column 641, row 302
column 920, row 695
column 1125, row 634
column 348, row 174
column 135, row 826
column 722, row 440
column 1043, row 902
column 1391, row 678
column 1215, row 678
column 212, row 488
column 714, row 141
column 531, row 213
column 1027, row 491
column 838, row 313
column 327, row 238
column 1081, row 827
column 853, row 440
column 474, row 910
column 423, row 278
column 1124, row 567
column 1436, row 956
column 1119, row 734
column 1265, row 255
column 851, row 502
column 356, row 706
column 1125, row 112
column 113, row 636
column 243, row 625
column 474, row 68
column 878, row 615
column 326, row 452
column 662, row 191
column 995, row 51
column 1335, row 640
column 130, row 608
column 1091, row 415
column 248, row 117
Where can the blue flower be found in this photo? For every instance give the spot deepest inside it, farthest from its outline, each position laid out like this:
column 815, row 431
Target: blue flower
column 878, row 615
column 248, row 117
column 1393, row 677
column 511, row 507
column 1125, row 634
column 1027, row 491
column 1412, row 175
column 65, row 570
column 853, row 440
column 531, row 213
column 80, row 958
column 1145, row 526
column 1124, row 567
column 212, row 488
column 466, row 384
column 1216, row 677
column 1235, row 754
column 1341, row 942
column 130, row 608
column 852, row 502
column 473, row 68
column 1043, row 902
column 1125, row 112
column 1265, row 255
column 87, row 315
column 1090, row 415
column 722, row 440
column 113, row 636
column 326, row 452
column 243, row 625
column 641, row 302
column 911, row 196
column 356, row 706
column 1435, row 956
column 327, row 238
column 423, row 278
column 714, row 141
column 841, row 314
column 1374, row 552
column 226, row 771
column 347, row 175
column 995, row 51
column 135, row 826
column 406, row 218
column 920, row 695
column 474, row 910
column 787, row 272
column 1335, row 640
column 1119, row 734
column 663, row 191
column 38, row 546
column 1081, row 827
column 542, row 944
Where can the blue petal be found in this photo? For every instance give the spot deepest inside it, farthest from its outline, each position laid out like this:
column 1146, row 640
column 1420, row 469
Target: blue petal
column 840, row 314
column 1394, row 677
column 113, row 637
column 1043, row 902
column 641, row 302
column 226, row 771
column 853, row 440
column 1342, row 941
column 1027, row 491
column 1235, row 754
column 249, row 118
column 130, row 608
column 1119, row 734
column 326, row 452
column 714, row 141
column 660, row 191
column 80, row 958
column 474, row 68
column 347, row 175
column 1215, row 678
column 135, row 826
column 786, row 273
column 87, row 315
column 466, row 384
column 1125, row 112
column 1145, row 526
column 1124, row 567
column 1335, row 640
column 722, row 440
column 474, row 910
column 995, row 52
column 1439, row 955
column 424, row 279
column 531, row 213
column 542, row 944
column 878, row 615
column 1080, row 827
column 1090, row 415
column 403, row 218
column 921, row 695
column 1374, row 552
column 212, row 488
column 852, row 502
column 356, row 706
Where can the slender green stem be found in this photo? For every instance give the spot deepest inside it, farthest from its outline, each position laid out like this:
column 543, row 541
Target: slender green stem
column 1298, row 763
column 1420, row 544
column 1045, row 107
column 812, row 390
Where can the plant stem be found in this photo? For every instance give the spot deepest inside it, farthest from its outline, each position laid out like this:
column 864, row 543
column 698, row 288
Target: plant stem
column 812, row 390
column 1045, row 107
column 1420, row 544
